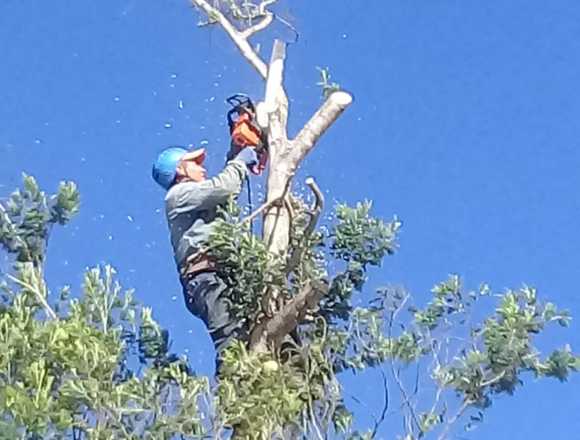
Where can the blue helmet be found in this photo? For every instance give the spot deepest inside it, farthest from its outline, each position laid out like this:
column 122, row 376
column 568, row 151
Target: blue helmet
column 164, row 168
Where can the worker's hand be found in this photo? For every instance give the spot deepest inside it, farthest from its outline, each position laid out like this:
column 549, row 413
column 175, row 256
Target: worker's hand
column 248, row 156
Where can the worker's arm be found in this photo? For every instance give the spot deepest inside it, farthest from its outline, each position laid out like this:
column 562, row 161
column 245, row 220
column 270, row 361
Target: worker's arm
column 212, row 192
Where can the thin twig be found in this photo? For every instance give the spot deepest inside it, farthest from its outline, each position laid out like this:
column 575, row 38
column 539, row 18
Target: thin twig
column 435, row 351
column 313, row 423
column 259, row 210
column 264, row 4
column 267, row 205
column 395, row 374
column 38, row 294
column 237, row 37
column 405, row 396
column 315, row 212
column 493, row 380
column 289, row 26
column 385, row 406
column 454, row 419
column 260, row 26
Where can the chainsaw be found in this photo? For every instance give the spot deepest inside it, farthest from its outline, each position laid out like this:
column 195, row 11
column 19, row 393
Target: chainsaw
column 245, row 132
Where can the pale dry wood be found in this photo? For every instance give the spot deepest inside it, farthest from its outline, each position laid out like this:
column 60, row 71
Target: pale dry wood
column 237, row 37
column 294, row 311
column 329, row 112
column 314, row 213
column 276, row 224
column 266, row 20
column 260, row 26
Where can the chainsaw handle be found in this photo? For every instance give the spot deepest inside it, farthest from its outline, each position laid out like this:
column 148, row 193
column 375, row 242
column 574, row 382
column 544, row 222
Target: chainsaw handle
column 230, row 117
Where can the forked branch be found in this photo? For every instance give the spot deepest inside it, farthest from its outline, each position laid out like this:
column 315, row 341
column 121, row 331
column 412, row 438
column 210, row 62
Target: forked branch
column 294, row 311
column 40, row 296
column 276, row 202
column 267, row 18
column 239, row 39
column 260, row 26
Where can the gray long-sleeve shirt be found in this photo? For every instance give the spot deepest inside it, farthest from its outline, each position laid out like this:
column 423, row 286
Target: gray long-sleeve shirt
column 191, row 208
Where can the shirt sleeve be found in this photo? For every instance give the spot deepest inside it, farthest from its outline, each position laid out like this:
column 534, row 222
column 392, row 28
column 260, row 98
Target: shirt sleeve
column 212, row 192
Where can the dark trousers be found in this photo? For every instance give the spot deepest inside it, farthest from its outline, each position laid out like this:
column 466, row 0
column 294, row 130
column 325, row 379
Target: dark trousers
column 205, row 298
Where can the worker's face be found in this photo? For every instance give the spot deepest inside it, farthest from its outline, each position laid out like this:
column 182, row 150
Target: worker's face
column 189, row 169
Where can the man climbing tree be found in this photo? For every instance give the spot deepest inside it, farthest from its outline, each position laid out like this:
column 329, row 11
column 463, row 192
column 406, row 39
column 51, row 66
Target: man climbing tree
column 67, row 366
column 192, row 204
column 278, row 285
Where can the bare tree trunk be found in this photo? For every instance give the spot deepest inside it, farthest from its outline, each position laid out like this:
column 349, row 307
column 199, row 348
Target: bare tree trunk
column 277, row 218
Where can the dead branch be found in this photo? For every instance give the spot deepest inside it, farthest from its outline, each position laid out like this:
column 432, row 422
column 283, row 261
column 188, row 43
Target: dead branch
column 294, row 311
column 314, row 213
column 318, row 204
column 330, row 110
column 260, row 26
column 278, row 201
column 264, row 4
column 381, row 419
column 267, row 18
column 450, row 422
column 261, row 209
column 241, row 41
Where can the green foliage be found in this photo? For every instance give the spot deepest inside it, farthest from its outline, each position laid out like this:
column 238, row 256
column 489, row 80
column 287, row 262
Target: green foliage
column 359, row 237
column 28, row 215
column 65, row 204
column 476, row 361
column 97, row 365
column 243, row 12
column 244, row 263
column 367, row 340
column 504, row 349
column 257, row 395
column 328, row 87
column 360, row 240
column 67, row 370
column 447, row 300
column 357, row 240
column 71, row 373
column 490, row 357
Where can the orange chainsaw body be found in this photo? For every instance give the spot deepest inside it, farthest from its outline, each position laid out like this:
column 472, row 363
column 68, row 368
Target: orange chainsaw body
column 245, row 132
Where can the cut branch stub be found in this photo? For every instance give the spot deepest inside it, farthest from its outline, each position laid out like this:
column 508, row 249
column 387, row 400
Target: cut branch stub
column 287, row 319
column 275, row 75
column 330, row 110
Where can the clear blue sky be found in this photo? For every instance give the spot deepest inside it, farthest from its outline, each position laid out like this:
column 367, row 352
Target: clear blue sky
column 466, row 125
